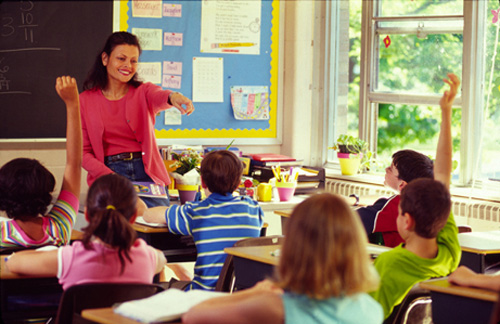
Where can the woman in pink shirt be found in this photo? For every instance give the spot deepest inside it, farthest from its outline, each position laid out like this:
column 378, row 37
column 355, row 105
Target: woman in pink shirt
column 109, row 251
column 118, row 116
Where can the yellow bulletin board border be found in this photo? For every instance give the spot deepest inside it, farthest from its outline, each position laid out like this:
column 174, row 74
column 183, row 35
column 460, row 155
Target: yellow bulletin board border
column 271, row 135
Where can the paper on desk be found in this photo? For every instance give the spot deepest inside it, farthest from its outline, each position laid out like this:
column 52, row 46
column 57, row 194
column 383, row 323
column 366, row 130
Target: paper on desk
column 165, row 306
column 140, row 220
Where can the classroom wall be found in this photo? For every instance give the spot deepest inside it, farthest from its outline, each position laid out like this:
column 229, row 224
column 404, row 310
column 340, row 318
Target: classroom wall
column 299, row 17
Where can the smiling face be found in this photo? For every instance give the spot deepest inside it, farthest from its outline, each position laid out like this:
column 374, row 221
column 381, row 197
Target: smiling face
column 121, row 64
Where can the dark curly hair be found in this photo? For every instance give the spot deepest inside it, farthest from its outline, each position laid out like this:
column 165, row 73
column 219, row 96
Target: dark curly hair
column 25, row 188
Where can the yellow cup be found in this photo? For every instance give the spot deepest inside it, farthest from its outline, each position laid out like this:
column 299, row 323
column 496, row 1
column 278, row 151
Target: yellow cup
column 264, row 192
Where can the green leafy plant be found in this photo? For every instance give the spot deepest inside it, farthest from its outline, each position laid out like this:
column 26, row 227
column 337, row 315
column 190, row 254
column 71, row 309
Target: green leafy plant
column 353, row 145
column 186, row 161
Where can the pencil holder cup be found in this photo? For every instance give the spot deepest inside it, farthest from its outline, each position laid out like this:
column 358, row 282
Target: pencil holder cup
column 285, row 190
column 187, row 192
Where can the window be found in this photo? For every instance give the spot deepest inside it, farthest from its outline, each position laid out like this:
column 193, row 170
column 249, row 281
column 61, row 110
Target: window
column 390, row 81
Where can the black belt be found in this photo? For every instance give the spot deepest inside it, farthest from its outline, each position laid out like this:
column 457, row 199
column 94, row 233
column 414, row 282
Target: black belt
column 123, row 157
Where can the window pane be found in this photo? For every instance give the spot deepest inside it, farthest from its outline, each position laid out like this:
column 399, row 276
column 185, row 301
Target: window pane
column 414, row 65
column 490, row 168
column 413, row 127
column 354, row 67
column 421, row 8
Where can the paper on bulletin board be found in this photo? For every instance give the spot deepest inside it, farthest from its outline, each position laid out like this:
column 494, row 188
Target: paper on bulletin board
column 146, row 9
column 208, row 79
column 250, row 102
column 150, row 38
column 230, row 27
column 149, row 71
column 173, row 117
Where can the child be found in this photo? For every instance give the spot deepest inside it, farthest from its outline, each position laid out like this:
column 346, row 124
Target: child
column 26, row 187
column 216, row 222
column 381, row 216
column 109, row 251
column 324, row 272
column 424, row 222
column 464, row 276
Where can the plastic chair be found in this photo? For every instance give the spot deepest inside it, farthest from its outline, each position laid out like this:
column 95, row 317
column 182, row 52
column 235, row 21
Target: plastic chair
column 416, row 307
column 97, row 295
column 226, row 276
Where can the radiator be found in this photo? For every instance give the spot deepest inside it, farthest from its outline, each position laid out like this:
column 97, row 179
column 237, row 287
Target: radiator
column 463, row 208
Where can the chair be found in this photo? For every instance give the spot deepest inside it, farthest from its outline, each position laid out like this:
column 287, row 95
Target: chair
column 97, row 295
column 464, row 229
column 415, row 308
column 226, row 277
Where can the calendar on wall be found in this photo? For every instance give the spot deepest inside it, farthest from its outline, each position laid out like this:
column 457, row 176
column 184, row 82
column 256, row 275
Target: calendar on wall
column 203, row 49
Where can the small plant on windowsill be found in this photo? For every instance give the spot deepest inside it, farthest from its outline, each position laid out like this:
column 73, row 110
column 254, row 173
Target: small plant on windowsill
column 353, row 154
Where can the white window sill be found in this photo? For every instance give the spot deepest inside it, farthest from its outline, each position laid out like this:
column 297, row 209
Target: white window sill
column 490, row 190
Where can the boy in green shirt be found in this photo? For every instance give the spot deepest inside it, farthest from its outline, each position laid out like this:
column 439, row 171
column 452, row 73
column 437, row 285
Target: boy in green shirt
column 431, row 247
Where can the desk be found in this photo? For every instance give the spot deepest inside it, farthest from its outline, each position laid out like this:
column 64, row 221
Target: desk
column 270, row 208
column 177, row 248
column 108, row 316
column 255, row 263
column 15, row 290
column 456, row 304
column 480, row 249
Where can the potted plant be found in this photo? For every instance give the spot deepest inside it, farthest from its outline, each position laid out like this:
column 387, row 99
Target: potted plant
column 186, row 174
column 352, row 153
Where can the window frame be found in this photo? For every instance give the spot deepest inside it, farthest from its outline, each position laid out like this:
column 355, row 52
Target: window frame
column 470, row 101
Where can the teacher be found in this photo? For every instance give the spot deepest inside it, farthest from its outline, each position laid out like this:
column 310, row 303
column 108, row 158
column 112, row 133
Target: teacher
column 118, row 115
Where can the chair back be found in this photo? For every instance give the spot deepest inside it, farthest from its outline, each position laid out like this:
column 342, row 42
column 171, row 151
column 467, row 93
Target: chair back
column 226, row 276
column 416, row 307
column 97, row 295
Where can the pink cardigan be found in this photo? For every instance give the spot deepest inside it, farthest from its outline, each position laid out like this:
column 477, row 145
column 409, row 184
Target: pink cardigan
column 143, row 103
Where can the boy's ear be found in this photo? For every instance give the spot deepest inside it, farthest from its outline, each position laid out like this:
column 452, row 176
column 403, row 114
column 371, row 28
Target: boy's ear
column 85, row 213
column 409, row 222
column 401, row 185
column 203, row 185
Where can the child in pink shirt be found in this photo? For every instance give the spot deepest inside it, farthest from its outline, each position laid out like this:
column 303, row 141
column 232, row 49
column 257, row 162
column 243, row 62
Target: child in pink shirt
column 109, row 250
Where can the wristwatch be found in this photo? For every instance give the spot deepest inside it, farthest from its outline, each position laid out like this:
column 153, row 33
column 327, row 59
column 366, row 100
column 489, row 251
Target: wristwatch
column 357, row 199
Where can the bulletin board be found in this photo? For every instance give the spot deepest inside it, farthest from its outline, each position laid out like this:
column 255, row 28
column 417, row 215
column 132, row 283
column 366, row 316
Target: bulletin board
column 174, row 37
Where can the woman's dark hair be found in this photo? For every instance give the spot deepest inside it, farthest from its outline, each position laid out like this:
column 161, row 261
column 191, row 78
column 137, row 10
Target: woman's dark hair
column 98, row 76
column 25, row 188
column 111, row 203
column 221, row 171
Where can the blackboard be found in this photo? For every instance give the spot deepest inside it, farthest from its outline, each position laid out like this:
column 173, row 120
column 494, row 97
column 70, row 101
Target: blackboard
column 213, row 122
column 39, row 41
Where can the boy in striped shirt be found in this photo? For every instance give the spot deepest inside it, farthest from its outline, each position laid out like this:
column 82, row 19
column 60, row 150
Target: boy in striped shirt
column 216, row 222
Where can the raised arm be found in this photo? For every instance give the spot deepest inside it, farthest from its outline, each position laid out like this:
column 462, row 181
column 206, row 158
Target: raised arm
column 444, row 152
column 155, row 215
column 67, row 89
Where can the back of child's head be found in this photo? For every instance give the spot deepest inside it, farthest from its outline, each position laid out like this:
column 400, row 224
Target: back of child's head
column 221, row 171
column 25, row 188
column 428, row 202
column 324, row 253
column 111, row 203
column 413, row 165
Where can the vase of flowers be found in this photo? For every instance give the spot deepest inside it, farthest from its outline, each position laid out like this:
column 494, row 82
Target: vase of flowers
column 187, row 174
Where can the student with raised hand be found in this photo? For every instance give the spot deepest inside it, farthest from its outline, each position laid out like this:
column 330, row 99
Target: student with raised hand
column 216, row 222
column 26, row 187
column 118, row 117
column 323, row 276
column 425, row 222
column 109, row 251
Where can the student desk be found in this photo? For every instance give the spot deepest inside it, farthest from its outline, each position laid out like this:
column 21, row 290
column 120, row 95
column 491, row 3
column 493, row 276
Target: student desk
column 480, row 249
column 177, row 248
column 44, row 292
column 108, row 316
column 276, row 226
column 255, row 263
column 457, row 304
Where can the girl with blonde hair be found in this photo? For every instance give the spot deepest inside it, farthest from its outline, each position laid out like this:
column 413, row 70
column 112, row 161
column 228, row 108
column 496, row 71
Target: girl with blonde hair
column 323, row 276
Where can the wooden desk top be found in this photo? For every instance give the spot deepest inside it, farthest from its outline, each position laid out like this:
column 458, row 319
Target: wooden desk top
column 149, row 229
column 76, row 235
column 443, row 286
column 480, row 242
column 264, row 253
column 260, row 253
column 284, row 213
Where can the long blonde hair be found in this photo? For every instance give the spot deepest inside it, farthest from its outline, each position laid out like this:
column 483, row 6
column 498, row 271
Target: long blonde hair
column 324, row 253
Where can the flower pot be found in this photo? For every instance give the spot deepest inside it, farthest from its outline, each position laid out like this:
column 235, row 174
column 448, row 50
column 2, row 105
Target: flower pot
column 349, row 163
column 286, row 190
column 187, row 192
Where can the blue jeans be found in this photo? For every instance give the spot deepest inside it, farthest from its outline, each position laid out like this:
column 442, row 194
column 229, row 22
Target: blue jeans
column 134, row 171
